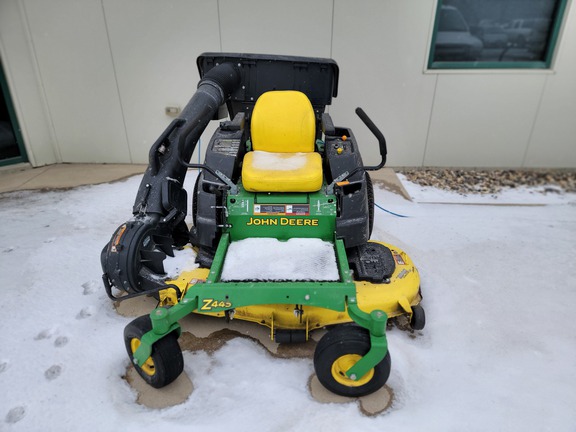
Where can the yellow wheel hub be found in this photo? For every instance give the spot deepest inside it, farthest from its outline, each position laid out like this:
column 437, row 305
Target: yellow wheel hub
column 344, row 363
column 148, row 367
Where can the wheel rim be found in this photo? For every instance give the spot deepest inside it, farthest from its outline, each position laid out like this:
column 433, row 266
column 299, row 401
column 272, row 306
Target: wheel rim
column 343, row 364
column 148, row 367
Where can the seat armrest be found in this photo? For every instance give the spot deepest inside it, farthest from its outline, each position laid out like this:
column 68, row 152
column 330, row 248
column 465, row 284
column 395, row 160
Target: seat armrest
column 235, row 125
column 327, row 125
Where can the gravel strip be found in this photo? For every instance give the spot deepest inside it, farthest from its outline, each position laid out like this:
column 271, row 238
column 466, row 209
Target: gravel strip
column 492, row 181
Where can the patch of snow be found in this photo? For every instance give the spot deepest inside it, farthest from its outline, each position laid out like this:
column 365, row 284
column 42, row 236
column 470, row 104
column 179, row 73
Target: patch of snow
column 497, row 353
column 182, row 260
column 278, row 161
column 269, row 259
column 522, row 195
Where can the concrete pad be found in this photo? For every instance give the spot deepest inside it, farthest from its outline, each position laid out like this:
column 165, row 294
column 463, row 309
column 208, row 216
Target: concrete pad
column 65, row 176
column 371, row 405
column 377, row 402
column 173, row 394
column 388, row 179
column 13, row 179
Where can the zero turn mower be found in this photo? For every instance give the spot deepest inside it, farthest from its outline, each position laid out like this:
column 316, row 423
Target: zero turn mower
column 282, row 214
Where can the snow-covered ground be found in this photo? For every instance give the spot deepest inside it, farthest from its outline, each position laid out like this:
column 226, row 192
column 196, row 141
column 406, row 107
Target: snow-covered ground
column 498, row 352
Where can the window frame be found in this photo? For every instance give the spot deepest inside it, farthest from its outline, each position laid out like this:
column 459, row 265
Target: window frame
column 558, row 18
column 23, row 157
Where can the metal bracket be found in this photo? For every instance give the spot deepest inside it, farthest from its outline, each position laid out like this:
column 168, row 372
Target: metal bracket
column 330, row 187
column 108, row 289
column 229, row 183
column 225, row 209
column 164, row 322
column 375, row 322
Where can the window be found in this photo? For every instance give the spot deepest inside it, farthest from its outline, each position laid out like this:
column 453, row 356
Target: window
column 470, row 34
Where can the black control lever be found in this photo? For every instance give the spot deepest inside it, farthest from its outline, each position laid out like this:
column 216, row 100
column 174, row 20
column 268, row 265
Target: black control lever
column 383, row 152
column 379, row 136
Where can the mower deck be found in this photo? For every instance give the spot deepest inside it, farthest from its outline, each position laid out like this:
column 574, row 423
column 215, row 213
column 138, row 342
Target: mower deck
column 395, row 298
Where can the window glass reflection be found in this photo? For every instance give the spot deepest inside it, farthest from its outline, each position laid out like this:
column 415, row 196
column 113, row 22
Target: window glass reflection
column 494, row 30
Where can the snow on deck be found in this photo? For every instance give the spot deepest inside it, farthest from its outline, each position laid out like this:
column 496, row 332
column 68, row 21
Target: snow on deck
column 269, row 259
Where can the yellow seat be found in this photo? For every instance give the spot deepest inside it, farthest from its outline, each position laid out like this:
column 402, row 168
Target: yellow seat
column 283, row 131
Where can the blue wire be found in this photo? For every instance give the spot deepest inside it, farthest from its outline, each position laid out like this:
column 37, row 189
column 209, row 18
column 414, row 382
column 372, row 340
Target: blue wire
column 391, row 212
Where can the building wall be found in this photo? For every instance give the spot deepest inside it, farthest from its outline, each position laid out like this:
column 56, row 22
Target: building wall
column 91, row 78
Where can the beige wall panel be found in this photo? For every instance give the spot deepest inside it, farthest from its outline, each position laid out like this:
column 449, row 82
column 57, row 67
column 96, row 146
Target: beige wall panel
column 74, row 60
column 90, row 78
column 482, row 120
column 25, row 87
column 553, row 141
column 381, row 49
column 297, row 27
column 155, row 45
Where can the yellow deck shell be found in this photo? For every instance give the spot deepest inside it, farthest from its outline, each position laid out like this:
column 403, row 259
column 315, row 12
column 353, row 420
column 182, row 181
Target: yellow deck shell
column 395, row 298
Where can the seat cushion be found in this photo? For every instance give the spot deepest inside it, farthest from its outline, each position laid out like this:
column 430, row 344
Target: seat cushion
column 282, row 172
column 283, row 122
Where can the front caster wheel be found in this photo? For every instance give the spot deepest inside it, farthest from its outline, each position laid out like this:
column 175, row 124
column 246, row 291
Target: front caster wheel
column 337, row 352
column 418, row 320
column 166, row 362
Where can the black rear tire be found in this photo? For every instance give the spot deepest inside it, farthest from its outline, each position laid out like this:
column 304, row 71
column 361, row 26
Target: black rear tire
column 339, row 350
column 195, row 200
column 166, row 362
column 370, row 193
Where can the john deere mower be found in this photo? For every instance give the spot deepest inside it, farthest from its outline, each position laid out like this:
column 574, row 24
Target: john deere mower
column 282, row 212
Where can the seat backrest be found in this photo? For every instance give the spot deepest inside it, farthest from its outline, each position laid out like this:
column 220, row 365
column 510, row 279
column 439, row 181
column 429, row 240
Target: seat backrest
column 283, row 121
